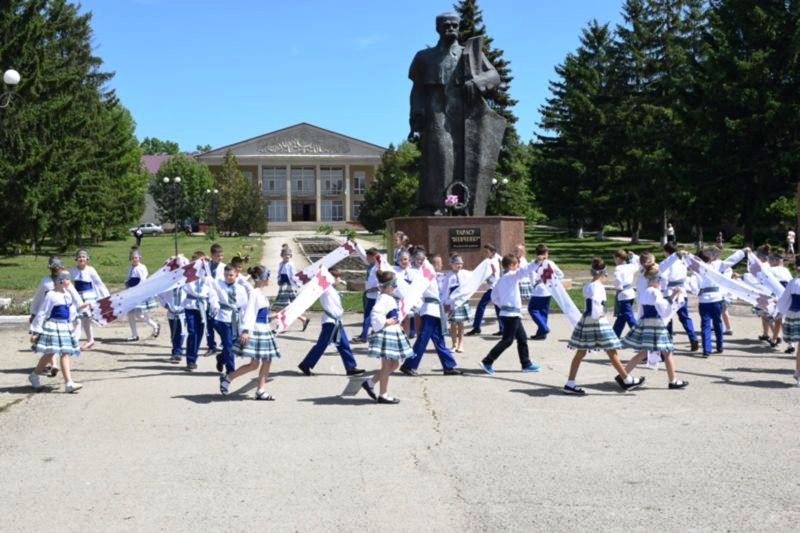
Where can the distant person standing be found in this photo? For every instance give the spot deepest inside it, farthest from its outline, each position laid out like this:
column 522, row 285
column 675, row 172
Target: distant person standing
column 790, row 236
column 138, row 234
column 720, row 240
column 670, row 233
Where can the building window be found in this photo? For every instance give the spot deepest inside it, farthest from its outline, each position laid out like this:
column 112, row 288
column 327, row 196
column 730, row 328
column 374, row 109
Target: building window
column 276, row 210
column 274, row 179
column 356, row 210
column 303, row 181
column 359, row 182
column 332, row 210
column 332, row 180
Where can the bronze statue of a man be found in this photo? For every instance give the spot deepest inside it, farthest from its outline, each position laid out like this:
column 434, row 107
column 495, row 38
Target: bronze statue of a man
column 460, row 135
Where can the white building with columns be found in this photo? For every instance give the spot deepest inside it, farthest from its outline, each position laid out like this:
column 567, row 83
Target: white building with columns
column 305, row 173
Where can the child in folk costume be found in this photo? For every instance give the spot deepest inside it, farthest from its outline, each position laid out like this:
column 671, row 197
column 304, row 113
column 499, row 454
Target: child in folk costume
column 91, row 288
column 53, row 332
column 525, row 285
column 789, row 308
column 489, row 252
column 505, row 296
column 406, row 275
column 675, row 276
column 232, row 300
column 783, row 276
column 370, row 293
column 332, row 332
column 762, row 254
column 400, row 245
column 461, row 314
column 388, row 341
column 539, row 304
column 710, row 296
column 624, row 274
column 650, row 333
column 136, row 274
column 173, row 301
column 256, row 339
column 593, row 332
column 287, row 284
column 217, row 269
column 200, row 298
column 433, row 326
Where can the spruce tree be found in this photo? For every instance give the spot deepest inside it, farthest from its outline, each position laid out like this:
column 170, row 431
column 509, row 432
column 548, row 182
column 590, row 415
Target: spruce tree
column 240, row 203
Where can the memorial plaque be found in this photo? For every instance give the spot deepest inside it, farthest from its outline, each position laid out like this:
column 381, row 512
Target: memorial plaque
column 464, row 238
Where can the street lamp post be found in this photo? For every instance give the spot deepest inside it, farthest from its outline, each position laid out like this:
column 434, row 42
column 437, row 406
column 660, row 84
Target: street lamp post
column 10, row 78
column 176, row 182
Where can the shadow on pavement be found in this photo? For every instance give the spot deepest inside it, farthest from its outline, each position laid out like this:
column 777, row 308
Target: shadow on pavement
column 765, row 384
column 338, row 400
column 789, row 371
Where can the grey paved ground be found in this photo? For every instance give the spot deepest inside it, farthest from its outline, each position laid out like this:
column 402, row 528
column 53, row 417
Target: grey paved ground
column 148, row 447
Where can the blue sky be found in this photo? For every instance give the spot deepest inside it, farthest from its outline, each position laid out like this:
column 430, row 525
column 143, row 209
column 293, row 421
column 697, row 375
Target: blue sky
column 217, row 72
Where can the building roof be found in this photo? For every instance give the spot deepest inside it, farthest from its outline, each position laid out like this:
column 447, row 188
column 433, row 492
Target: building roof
column 303, row 139
column 151, row 163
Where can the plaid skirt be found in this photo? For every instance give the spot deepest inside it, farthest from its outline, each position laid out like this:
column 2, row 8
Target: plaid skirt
column 651, row 335
column 390, row 343
column 286, row 295
column 147, row 305
column 58, row 337
column 89, row 296
column 791, row 326
column 525, row 289
column 593, row 334
column 260, row 344
column 462, row 314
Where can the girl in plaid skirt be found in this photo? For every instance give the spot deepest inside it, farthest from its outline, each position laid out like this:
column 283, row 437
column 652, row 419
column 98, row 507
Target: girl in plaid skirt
column 789, row 308
column 53, row 332
column 136, row 274
column 525, row 285
column 256, row 340
column 593, row 332
column 462, row 314
column 388, row 341
column 287, row 286
column 650, row 334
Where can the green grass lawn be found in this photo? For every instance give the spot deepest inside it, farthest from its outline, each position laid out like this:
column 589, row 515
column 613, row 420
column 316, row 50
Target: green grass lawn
column 110, row 258
column 572, row 253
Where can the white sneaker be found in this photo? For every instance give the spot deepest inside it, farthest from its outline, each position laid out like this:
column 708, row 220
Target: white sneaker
column 35, row 381
column 72, row 387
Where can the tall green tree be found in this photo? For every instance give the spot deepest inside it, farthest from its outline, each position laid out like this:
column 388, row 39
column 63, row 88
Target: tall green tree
column 240, row 203
column 67, row 151
column 393, row 193
column 190, row 198
column 156, row 146
column 517, row 197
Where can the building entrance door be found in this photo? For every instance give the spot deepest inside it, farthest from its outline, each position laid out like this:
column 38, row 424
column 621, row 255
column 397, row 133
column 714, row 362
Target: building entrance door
column 304, row 211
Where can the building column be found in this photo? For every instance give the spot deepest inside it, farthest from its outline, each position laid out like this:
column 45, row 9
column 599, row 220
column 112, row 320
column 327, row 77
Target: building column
column 288, row 193
column 260, row 178
column 347, row 194
column 318, row 186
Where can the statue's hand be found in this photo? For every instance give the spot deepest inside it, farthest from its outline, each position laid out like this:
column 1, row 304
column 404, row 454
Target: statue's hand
column 417, row 123
column 471, row 92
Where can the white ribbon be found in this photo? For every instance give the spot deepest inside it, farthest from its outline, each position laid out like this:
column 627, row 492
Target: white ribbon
column 309, row 294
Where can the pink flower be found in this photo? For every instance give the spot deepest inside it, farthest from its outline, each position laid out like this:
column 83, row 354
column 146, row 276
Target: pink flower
column 451, row 200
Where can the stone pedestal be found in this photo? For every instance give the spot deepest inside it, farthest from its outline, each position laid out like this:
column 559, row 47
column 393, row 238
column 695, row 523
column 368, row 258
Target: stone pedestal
column 446, row 235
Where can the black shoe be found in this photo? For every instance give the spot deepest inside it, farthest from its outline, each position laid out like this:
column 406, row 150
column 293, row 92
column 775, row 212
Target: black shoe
column 370, row 390
column 772, row 344
column 453, row 372
column 191, row 366
column 539, row 337
column 355, row 371
column 305, row 370
column 357, row 340
column 498, row 334
column 629, row 386
column 719, row 350
column 706, row 355
column 473, row 332
column 220, row 366
column 678, row 384
column 763, row 337
column 409, row 371
column 575, row 391
column 390, row 399
column 790, row 349
column 695, row 346
column 305, row 324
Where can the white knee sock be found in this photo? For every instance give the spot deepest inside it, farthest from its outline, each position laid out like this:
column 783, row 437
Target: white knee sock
column 132, row 323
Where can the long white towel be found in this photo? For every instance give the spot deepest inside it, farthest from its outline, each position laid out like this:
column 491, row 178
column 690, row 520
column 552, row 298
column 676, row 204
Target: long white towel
column 309, row 294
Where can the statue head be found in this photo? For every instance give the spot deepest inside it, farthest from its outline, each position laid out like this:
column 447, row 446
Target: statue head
column 447, row 26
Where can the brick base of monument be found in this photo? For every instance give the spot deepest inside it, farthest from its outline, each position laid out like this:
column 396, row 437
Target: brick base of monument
column 446, row 235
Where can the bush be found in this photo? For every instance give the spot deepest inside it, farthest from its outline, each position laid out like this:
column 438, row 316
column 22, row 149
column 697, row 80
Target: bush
column 347, row 232
column 325, row 229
